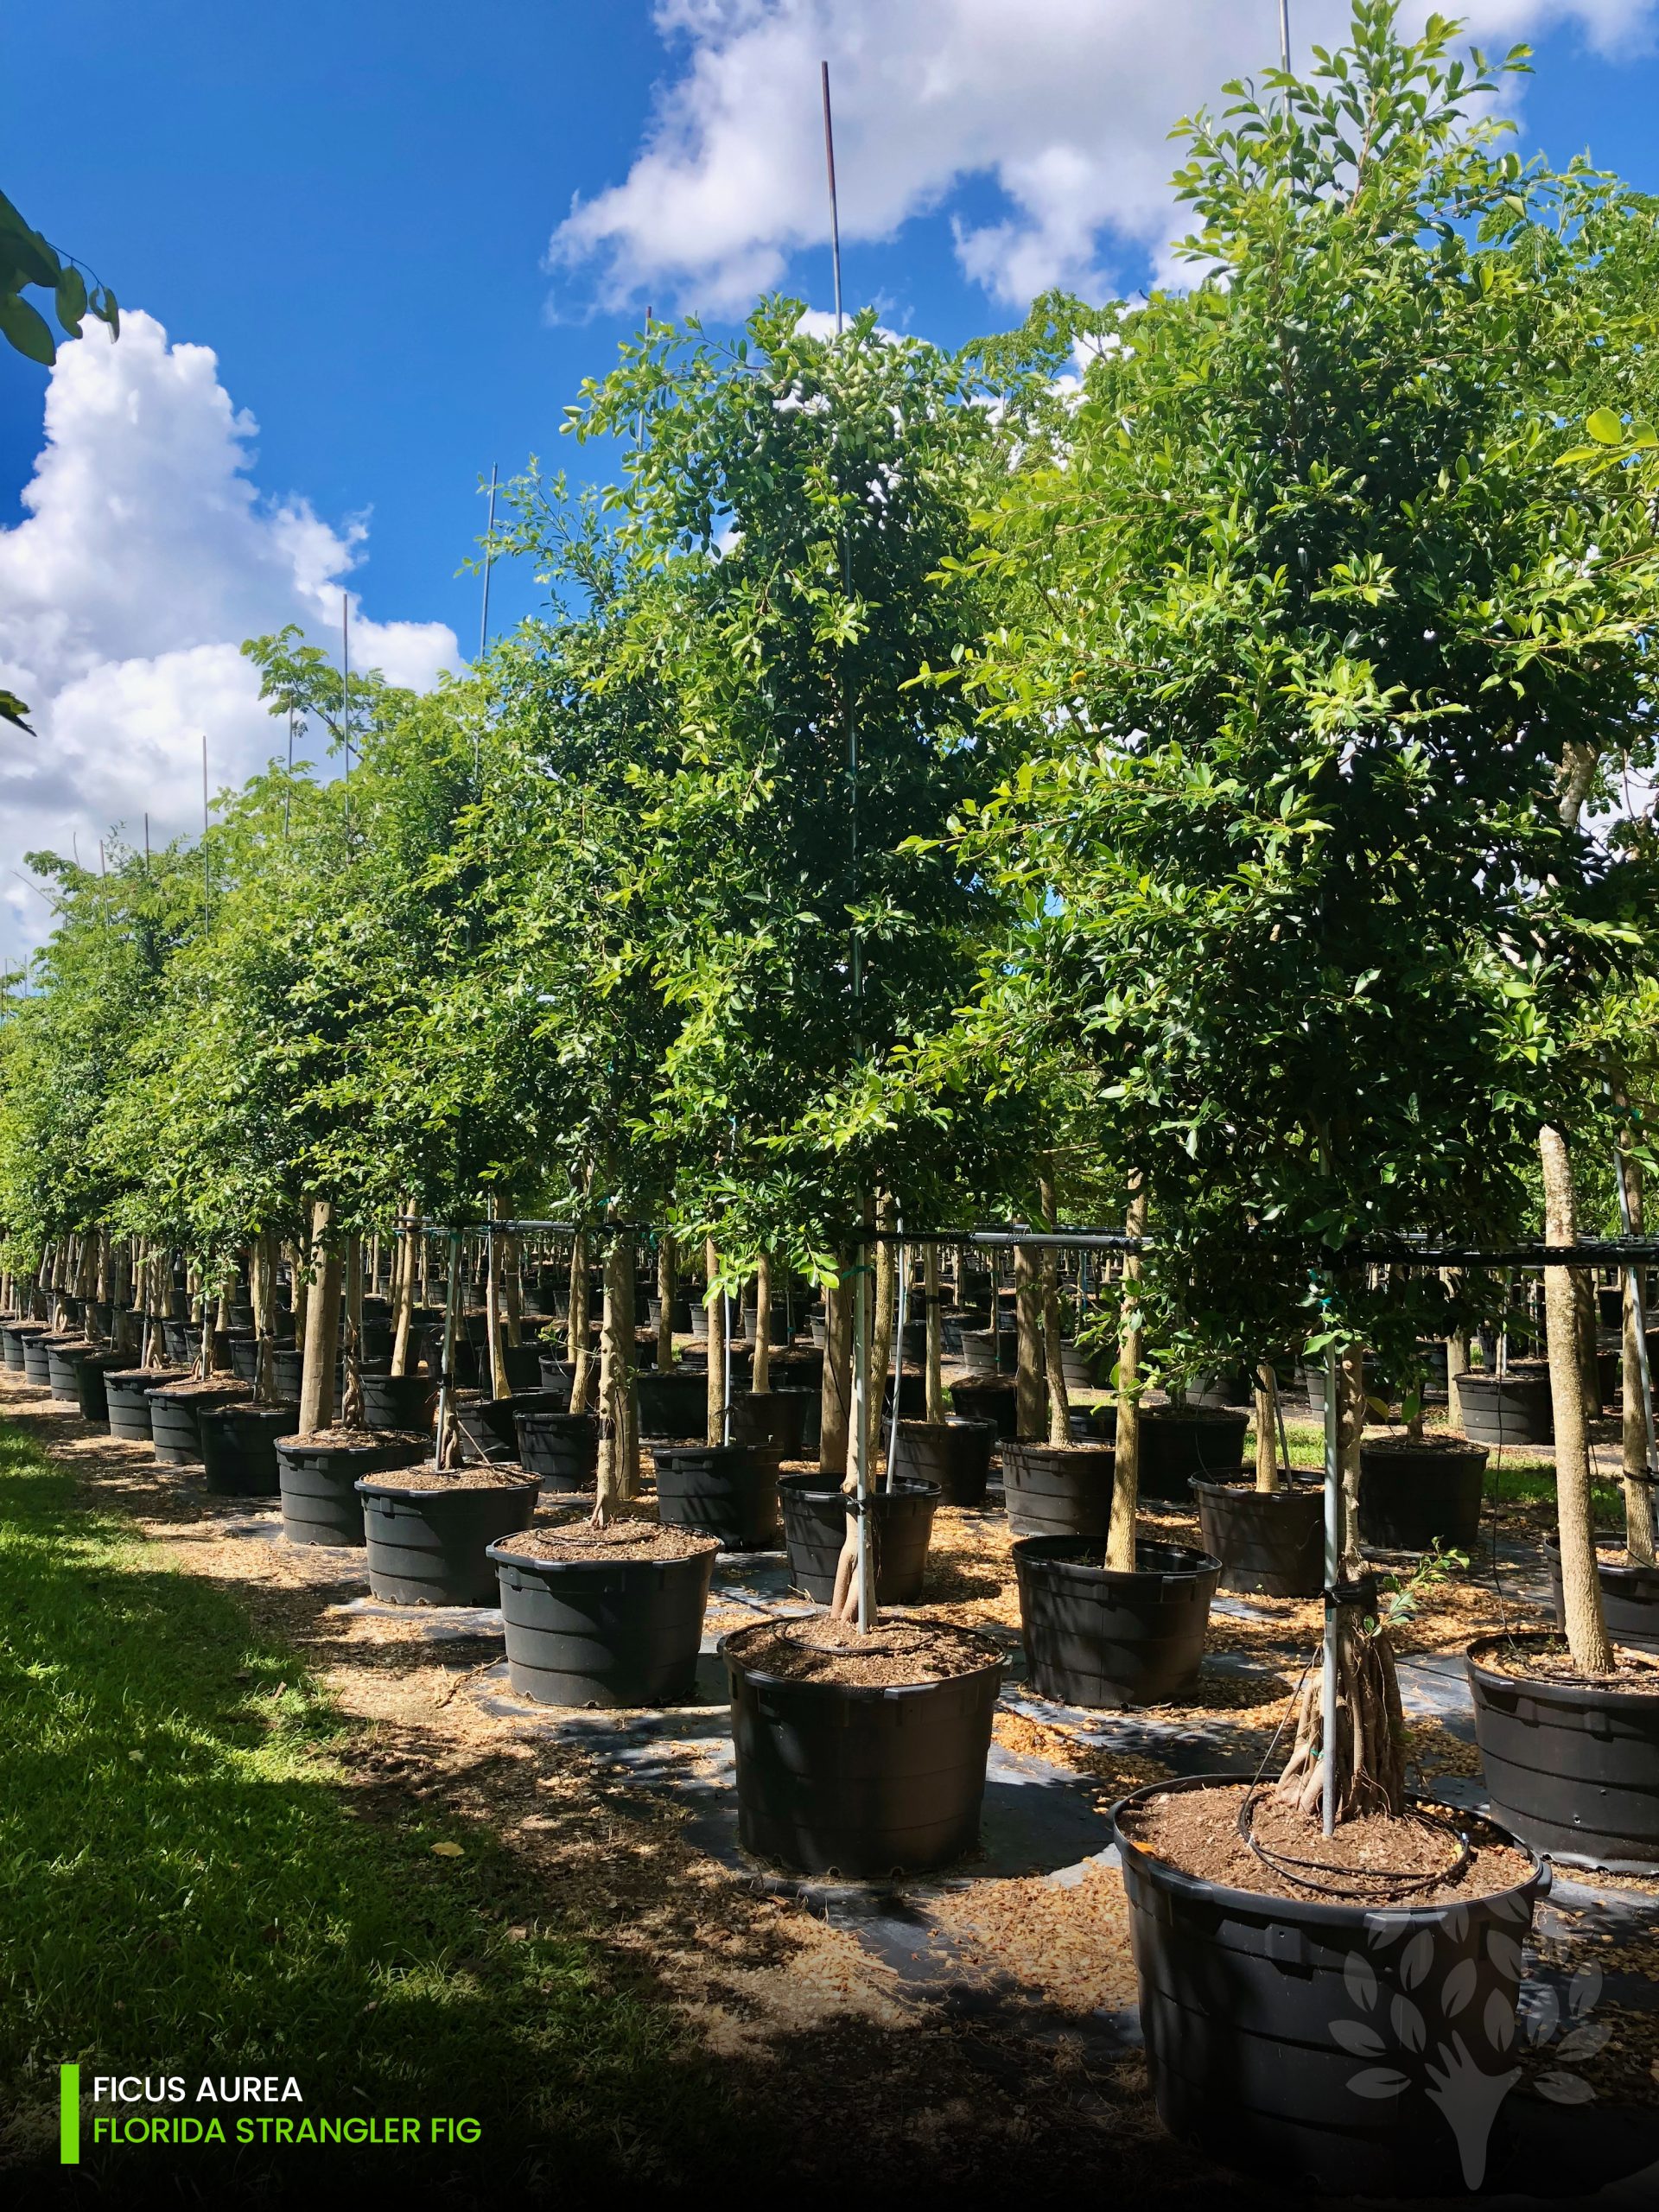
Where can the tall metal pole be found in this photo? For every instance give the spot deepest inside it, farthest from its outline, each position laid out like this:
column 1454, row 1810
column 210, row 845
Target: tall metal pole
column 1332, row 1569
column 835, row 209
column 865, row 1569
column 207, row 858
column 346, row 694
column 288, row 793
column 857, row 962
column 1284, row 35
column 1634, row 1285
column 902, row 1304
column 489, row 555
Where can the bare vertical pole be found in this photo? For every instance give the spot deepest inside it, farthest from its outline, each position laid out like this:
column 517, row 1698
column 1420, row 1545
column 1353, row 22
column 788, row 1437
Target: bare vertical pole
column 206, row 859
column 834, row 208
column 1332, row 1570
column 489, row 555
column 146, row 849
column 346, row 694
column 1284, row 35
column 901, row 1303
column 1633, row 1281
column 864, row 1571
column 288, row 794
column 857, row 952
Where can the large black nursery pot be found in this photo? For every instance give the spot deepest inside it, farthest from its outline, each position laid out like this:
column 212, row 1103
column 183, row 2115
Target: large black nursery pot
column 556, row 1375
column 603, row 1631
column 863, row 1782
column 1511, row 1409
column 63, row 1358
column 37, row 1359
column 1415, row 1493
column 1571, row 1766
column 1269, row 1542
column 561, row 1450
column 14, row 1337
column 991, row 1398
column 399, row 1401
column 175, row 1419
column 238, row 1447
column 728, row 1490
column 674, row 1402
column 90, row 1393
column 954, row 1454
column 1630, row 1594
column 1182, row 1444
column 776, row 1418
column 989, row 1352
column 127, row 1394
column 318, row 1477
column 1097, row 1637
column 1059, row 1490
column 431, row 1547
column 1314, row 2041
column 816, row 1520
column 244, row 1355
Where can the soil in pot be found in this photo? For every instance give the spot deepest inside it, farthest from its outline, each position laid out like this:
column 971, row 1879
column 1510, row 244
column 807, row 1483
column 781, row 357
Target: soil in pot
column 176, row 1417
column 604, row 1616
column 429, row 1531
column 1571, row 1765
column 728, row 1490
column 1059, row 1490
column 815, row 1518
column 1415, row 1493
column 319, row 1505
column 239, row 1448
column 1269, row 1542
column 1178, row 1443
column 1630, row 1592
column 1098, row 1638
column 954, row 1454
column 1271, row 2017
column 990, row 1398
column 126, row 1394
column 560, row 1449
column 860, row 1755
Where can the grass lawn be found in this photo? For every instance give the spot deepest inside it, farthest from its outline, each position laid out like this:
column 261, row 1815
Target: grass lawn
column 188, row 1885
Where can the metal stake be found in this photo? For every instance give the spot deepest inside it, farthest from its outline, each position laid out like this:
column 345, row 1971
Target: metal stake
column 1284, row 35
column 834, row 208
column 865, row 1563
column 1332, row 1568
column 901, row 1307
column 1633, row 1282
column 489, row 555
column 346, row 694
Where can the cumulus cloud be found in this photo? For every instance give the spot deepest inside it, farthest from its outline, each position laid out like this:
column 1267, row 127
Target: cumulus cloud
column 146, row 555
column 1064, row 105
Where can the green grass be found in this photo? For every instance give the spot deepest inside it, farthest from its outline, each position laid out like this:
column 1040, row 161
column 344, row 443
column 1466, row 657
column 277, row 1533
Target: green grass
column 186, row 1886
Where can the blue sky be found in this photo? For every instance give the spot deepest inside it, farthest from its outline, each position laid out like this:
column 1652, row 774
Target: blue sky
column 351, row 206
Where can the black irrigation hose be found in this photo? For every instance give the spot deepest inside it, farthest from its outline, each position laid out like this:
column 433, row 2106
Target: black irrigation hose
column 1349, row 1891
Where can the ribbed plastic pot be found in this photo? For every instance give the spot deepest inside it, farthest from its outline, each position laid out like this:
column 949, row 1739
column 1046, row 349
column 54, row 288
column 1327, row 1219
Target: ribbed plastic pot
column 1055, row 1490
column 239, row 1448
column 1263, row 2015
column 1081, row 1369
column 399, row 1400
column 556, row 1374
column 1271, row 1542
column 175, row 1423
column 1413, row 1495
column 954, row 1454
column 775, row 1419
column 989, row 1352
column 561, row 1449
column 288, row 1370
column 603, row 1631
column 524, row 1366
column 1226, row 1386
column 672, row 1403
column 127, row 1394
column 1573, row 1767
column 182, row 1340
column 14, row 1337
column 1178, row 1443
column 1099, row 1637
column 816, row 1518
column 90, row 1393
column 320, row 1502
column 1630, row 1595
column 810, row 1402
column 245, row 1356
column 37, row 1362
column 862, row 1783
column 1512, row 1408
column 431, row 1547
column 988, row 1398
column 728, row 1490
column 63, row 1358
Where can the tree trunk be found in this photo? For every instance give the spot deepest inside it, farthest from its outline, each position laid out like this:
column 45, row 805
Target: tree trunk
column 1125, row 1466
column 513, row 1287
column 494, row 1312
column 835, row 1403
column 1636, row 1461
column 762, row 1376
column 321, row 1325
column 1267, row 1427
column 403, row 1274
column 576, row 1324
column 1456, row 1366
column 1059, row 1404
column 935, row 1334
column 1351, row 1431
column 351, row 1403
column 299, row 1276
column 1030, row 1412
column 618, row 1445
column 668, row 1279
column 1587, row 1622
column 714, row 1306
column 882, row 1359
column 1587, row 1317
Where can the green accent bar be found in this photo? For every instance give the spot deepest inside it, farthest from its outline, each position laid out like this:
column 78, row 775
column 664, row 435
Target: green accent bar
column 68, row 2115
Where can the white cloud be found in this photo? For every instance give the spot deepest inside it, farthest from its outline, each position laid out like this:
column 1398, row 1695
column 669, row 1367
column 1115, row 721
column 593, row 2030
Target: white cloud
column 146, row 556
column 1064, row 104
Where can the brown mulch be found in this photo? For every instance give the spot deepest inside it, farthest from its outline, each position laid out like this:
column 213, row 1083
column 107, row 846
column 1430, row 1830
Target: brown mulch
column 483, row 1474
column 893, row 1656
column 623, row 1540
column 1547, row 1659
column 201, row 1386
column 343, row 1439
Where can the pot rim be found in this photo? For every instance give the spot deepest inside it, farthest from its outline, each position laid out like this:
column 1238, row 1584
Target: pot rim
column 1286, row 1493
column 808, row 1485
column 856, row 1692
column 1204, row 1562
column 385, row 1483
column 1568, row 1693
column 549, row 1568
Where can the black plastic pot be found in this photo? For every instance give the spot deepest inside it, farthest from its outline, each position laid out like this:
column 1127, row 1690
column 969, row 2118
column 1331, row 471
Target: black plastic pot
column 431, row 1547
column 862, row 1782
column 320, row 1501
column 954, row 1454
column 620, row 1631
column 1573, row 1767
column 556, row 1373
column 1414, row 1495
column 1271, row 1542
column 1630, row 1595
column 990, row 1351
column 809, row 1403
column 15, row 1336
column 175, row 1421
column 288, row 1372
column 728, row 1490
column 1096, row 1637
column 239, row 1448
column 1178, row 1443
column 672, row 1403
column 562, row 1449
column 1059, row 1490
column 245, row 1356
column 37, row 1361
column 1226, row 1387
column 90, row 1393
column 126, row 1394
column 1512, row 1408
column 1270, row 2021
column 63, row 1358
column 776, row 1418
column 399, row 1401
column 816, row 1519
column 988, row 1398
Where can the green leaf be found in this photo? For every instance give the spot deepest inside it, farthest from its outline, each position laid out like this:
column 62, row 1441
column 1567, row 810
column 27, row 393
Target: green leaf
column 1606, row 428
column 72, row 300
column 13, row 709
column 25, row 330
